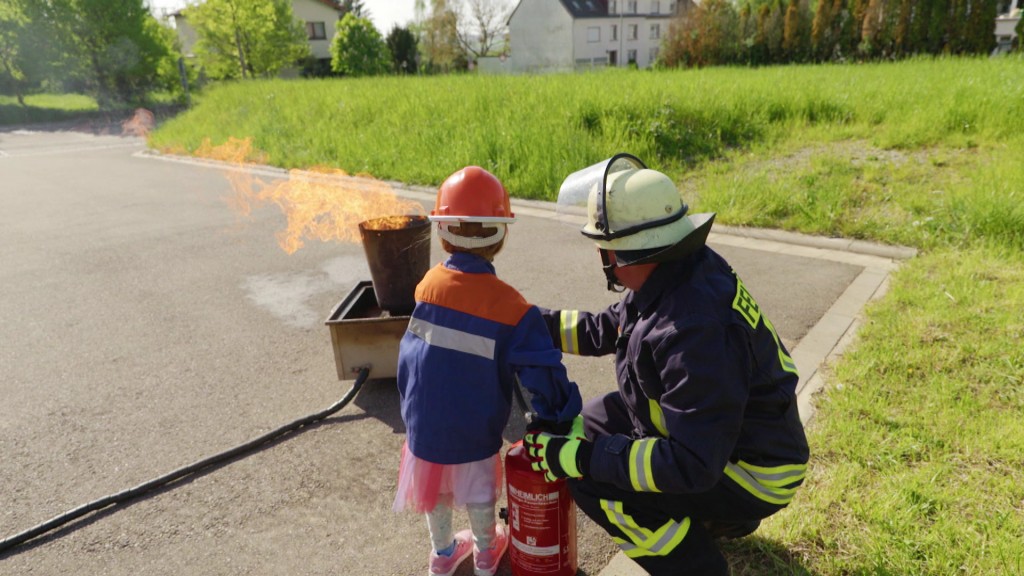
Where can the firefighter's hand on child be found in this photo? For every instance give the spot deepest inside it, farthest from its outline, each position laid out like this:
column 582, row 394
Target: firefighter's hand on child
column 557, row 456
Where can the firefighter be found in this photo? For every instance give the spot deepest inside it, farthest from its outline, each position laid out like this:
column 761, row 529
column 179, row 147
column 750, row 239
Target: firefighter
column 702, row 439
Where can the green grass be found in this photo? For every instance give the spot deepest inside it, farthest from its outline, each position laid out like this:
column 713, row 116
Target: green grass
column 918, row 443
column 531, row 131
column 45, row 108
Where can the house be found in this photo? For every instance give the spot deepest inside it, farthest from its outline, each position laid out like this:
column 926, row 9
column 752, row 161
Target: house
column 566, row 35
column 320, row 18
column 1006, row 28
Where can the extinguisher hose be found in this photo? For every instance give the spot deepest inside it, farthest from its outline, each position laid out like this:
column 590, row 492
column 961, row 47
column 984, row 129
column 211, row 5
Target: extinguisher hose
column 131, row 493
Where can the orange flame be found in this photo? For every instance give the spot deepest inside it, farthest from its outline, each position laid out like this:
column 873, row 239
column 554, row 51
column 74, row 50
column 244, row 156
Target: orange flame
column 140, row 124
column 323, row 203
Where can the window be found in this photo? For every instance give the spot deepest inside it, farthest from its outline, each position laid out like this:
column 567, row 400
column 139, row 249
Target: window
column 655, row 31
column 631, row 56
column 655, row 7
column 594, row 34
column 613, row 7
column 615, row 32
column 654, row 55
column 316, row 31
column 631, row 31
column 631, row 7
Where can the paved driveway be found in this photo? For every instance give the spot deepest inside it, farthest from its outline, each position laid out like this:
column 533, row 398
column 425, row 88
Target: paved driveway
column 145, row 325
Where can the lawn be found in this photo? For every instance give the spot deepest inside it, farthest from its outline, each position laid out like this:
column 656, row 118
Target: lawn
column 918, row 442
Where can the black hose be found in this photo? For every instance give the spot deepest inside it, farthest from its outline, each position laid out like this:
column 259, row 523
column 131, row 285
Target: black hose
column 126, row 495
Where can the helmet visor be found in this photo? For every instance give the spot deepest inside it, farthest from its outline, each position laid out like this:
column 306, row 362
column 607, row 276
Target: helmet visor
column 576, row 188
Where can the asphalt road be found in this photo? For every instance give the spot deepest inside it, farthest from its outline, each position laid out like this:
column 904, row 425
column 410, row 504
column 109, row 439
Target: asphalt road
column 145, row 325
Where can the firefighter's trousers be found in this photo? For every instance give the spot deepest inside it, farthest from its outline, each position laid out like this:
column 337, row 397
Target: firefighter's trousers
column 664, row 533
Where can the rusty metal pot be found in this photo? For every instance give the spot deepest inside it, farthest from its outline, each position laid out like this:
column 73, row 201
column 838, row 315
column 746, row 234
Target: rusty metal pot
column 398, row 253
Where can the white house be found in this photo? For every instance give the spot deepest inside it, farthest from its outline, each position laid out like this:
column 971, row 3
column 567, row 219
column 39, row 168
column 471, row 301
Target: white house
column 1006, row 27
column 320, row 18
column 565, row 35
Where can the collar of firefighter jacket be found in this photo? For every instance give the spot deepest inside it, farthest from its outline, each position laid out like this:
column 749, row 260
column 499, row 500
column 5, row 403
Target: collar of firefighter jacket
column 666, row 276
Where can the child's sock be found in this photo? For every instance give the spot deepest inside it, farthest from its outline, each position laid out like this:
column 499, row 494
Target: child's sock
column 447, row 551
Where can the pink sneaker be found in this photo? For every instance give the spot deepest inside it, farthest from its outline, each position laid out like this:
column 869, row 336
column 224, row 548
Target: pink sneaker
column 486, row 561
column 447, row 565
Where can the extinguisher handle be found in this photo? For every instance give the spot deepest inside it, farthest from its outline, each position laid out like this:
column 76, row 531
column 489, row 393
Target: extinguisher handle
column 528, row 414
column 534, row 423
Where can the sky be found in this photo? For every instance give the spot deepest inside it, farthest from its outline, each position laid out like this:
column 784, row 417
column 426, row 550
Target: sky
column 383, row 13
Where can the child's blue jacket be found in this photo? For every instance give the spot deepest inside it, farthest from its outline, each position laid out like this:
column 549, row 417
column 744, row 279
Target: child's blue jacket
column 469, row 336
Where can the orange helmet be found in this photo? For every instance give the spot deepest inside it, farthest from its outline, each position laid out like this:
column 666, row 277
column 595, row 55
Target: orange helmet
column 472, row 195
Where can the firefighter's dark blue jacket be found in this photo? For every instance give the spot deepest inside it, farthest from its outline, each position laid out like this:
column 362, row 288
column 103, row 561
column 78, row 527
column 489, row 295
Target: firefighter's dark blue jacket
column 710, row 387
column 469, row 337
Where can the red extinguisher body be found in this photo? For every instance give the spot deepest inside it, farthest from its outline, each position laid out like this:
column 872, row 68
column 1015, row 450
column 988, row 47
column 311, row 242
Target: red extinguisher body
column 541, row 518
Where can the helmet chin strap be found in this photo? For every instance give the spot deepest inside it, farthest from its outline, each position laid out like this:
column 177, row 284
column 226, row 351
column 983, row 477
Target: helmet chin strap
column 609, row 272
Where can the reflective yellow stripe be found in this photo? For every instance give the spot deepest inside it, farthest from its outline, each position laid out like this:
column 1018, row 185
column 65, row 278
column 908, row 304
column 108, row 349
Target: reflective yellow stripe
column 641, row 474
column 744, row 304
column 785, row 359
column 775, row 484
column 567, row 326
column 658, row 417
column 641, row 541
column 632, row 530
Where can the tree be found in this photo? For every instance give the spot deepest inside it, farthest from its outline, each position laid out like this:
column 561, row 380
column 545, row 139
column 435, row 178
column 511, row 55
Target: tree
column 704, row 34
column 1019, row 40
column 13, row 30
column 358, row 49
column 794, row 35
column 109, row 49
column 980, row 27
column 937, row 30
column 439, row 37
column 871, row 28
column 242, row 38
column 920, row 19
column 821, row 30
column 482, row 30
column 354, row 7
column 903, row 28
column 404, row 50
column 774, row 30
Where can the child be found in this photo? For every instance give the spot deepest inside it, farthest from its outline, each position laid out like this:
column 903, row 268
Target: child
column 469, row 339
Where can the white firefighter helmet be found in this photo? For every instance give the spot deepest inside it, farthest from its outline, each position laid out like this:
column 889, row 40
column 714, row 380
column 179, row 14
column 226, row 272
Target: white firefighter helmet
column 634, row 211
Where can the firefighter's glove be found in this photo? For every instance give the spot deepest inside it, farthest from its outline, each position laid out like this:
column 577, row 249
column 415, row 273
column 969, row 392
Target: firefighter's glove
column 576, row 431
column 558, row 456
column 571, row 428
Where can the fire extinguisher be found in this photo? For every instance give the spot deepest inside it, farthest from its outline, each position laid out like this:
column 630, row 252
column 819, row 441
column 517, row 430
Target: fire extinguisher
column 541, row 517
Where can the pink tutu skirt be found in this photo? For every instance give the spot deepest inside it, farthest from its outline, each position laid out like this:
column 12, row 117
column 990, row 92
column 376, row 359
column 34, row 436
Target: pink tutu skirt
column 422, row 485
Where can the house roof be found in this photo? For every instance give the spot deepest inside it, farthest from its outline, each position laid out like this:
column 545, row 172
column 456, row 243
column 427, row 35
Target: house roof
column 586, row 8
column 332, row 4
